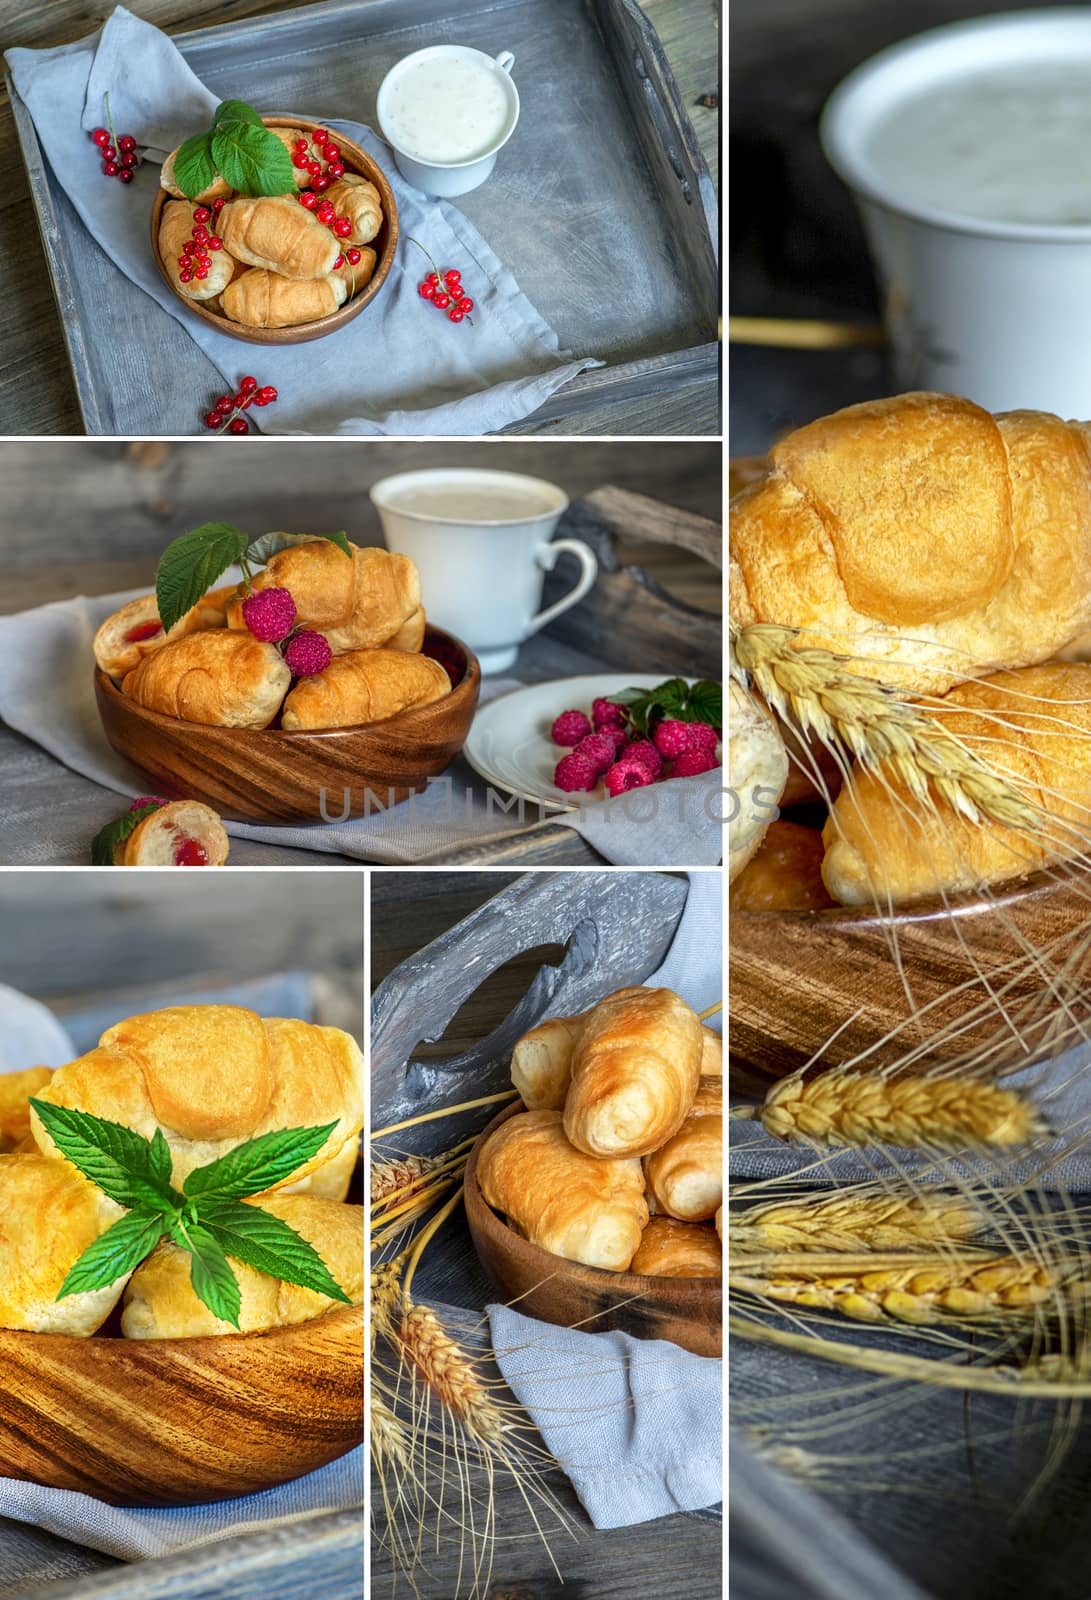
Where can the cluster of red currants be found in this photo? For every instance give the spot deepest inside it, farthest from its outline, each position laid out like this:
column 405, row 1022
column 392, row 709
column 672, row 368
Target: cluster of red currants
column 446, row 296
column 119, row 161
column 226, row 414
column 197, row 250
column 321, row 178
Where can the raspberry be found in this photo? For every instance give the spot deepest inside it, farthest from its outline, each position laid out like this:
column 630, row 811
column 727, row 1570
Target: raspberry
column 627, row 774
column 148, row 800
column 574, row 772
column 674, row 738
column 644, row 751
column 269, row 614
column 569, row 728
column 308, row 654
column 617, row 735
column 603, row 711
column 599, row 750
column 691, row 763
column 703, row 737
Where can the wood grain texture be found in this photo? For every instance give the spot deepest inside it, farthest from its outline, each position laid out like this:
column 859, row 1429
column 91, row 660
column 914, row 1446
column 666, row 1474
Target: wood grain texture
column 687, row 1311
column 180, row 1421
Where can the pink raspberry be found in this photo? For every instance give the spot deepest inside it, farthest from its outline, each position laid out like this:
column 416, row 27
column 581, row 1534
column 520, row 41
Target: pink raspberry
column 569, row 728
column 574, row 772
column 269, row 614
column 604, row 711
column 644, row 751
column 148, row 800
column 627, row 774
column 704, row 737
column 693, row 762
column 599, row 750
column 673, row 738
column 616, row 733
column 308, row 653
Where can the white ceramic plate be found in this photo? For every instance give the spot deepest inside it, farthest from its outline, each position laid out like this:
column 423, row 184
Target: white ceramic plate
column 509, row 743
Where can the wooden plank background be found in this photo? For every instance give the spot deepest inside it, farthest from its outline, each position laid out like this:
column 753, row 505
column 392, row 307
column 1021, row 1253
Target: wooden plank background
column 36, row 392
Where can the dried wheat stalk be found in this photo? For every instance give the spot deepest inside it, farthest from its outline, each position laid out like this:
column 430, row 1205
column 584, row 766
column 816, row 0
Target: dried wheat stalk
column 448, row 1372
column 400, row 1176
column 847, row 1220
column 388, row 1435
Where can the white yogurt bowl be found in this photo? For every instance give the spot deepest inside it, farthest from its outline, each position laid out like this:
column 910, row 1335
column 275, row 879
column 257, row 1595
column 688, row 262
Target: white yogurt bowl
column 448, row 97
column 995, row 309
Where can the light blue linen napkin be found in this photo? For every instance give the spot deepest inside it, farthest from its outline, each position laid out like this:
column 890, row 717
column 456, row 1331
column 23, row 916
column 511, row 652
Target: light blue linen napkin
column 398, row 368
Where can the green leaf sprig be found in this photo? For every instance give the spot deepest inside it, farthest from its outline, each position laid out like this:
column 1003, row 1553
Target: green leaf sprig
column 193, row 562
column 674, row 699
column 207, row 1217
column 239, row 148
column 107, row 839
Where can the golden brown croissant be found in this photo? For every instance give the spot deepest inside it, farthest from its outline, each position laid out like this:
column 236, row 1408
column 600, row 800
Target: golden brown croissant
column 260, row 299
column 785, row 874
column 635, row 1073
column 1033, row 729
column 570, row 1204
column 16, row 1089
column 183, row 833
column 410, row 636
column 135, row 631
column 671, row 1249
column 358, row 200
column 214, row 1076
column 357, row 603
column 757, row 769
column 218, row 189
column 357, row 276
column 712, row 1052
column 333, row 1179
column 686, row 1174
column 276, row 232
column 364, row 686
column 541, row 1062
column 222, row 679
column 921, row 536
column 160, row 1301
column 175, row 228
column 49, row 1215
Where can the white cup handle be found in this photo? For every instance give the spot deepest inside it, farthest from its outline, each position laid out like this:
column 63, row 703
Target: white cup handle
column 547, row 560
column 505, row 61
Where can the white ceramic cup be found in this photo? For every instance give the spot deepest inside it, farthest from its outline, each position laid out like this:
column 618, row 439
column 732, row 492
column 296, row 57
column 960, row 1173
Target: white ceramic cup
column 450, row 178
column 998, row 312
column 481, row 576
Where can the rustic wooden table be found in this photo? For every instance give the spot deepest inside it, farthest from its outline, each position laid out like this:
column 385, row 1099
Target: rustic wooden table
column 678, row 1556
column 92, row 518
column 36, row 392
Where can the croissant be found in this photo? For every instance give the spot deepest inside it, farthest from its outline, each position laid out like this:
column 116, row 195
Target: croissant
column 276, row 232
column 175, row 228
column 49, row 1215
column 289, row 138
column 357, row 603
column 785, row 874
column 541, row 1063
column 1033, row 728
column 260, row 299
column 757, row 769
column 635, row 1073
column 686, row 1174
column 671, row 1249
column 568, row 1203
column 219, row 678
column 161, row 1303
column 16, row 1089
column 364, row 686
column 410, row 636
column 354, row 197
column 358, row 276
column 712, row 1052
column 921, row 536
column 135, row 631
column 183, row 833
column 332, row 1180
column 218, row 189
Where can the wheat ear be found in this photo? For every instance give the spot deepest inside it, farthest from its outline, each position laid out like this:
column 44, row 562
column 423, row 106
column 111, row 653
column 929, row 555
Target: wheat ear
column 448, row 1372
column 388, row 1435
column 400, row 1176
column 849, row 1220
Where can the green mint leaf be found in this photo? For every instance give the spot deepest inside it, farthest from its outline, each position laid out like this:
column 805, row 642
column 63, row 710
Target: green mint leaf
column 191, row 564
column 252, row 160
column 270, row 544
column 705, row 703
column 268, row 1244
column 115, row 1253
column 257, row 1165
column 194, row 166
column 160, row 1160
column 236, row 111
column 106, row 840
column 124, row 1165
column 209, row 1271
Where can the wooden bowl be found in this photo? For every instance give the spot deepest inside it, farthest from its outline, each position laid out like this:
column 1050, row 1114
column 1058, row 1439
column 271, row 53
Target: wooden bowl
column 323, row 775
column 687, row 1311
column 796, row 978
column 384, row 244
column 144, row 1422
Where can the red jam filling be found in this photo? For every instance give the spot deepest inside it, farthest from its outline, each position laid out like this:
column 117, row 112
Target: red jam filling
column 190, row 853
column 143, row 630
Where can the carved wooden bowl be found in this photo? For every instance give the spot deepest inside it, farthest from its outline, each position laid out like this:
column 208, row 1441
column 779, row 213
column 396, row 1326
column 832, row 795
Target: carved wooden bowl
column 143, row 1422
column 323, row 775
column 687, row 1311
column 384, row 244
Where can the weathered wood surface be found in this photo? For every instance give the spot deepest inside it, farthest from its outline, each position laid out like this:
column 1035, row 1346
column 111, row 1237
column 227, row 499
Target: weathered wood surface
column 483, row 954
column 36, row 391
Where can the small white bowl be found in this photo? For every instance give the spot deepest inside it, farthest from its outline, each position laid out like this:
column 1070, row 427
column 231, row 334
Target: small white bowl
column 449, row 178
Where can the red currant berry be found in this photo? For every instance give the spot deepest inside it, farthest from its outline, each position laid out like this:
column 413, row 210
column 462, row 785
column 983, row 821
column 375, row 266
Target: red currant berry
column 225, row 405
column 320, row 184
column 188, row 248
column 452, row 278
column 465, row 304
column 202, row 214
column 326, row 213
column 442, row 301
column 432, row 278
column 200, row 233
column 212, row 419
column 109, row 153
column 100, row 137
column 319, row 136
column 308, row 199
column 201, row 271
column 126, row 142
column 269, row 394
column 353, row 257
column 214, row 243
column 455, row 315
column 238, row 425
column 185, row 275
column 331, row 152
column 340, row 261
column 336, row 169
column 426, row 290
column 342, row 227
column 302, row 161
column 111, row 168
column 129, row 158
column 125, row 175
column 242, row 402
column 247, row 385
column 314, row 168
column 218, row 205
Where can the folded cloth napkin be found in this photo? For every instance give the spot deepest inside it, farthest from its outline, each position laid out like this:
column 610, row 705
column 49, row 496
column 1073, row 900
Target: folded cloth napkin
column 636, row 1424
column 132, row 1535
column 47, row 693
column 387, row 372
